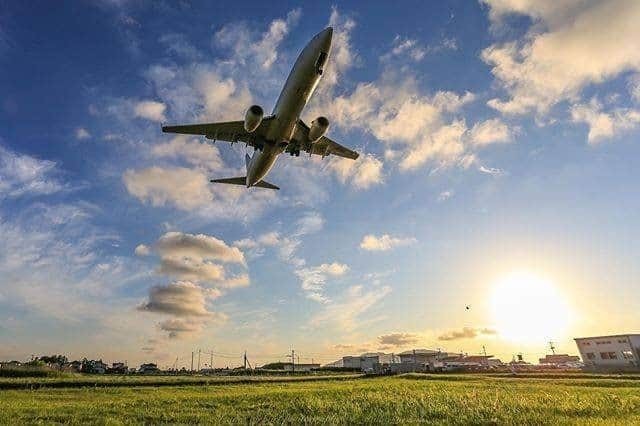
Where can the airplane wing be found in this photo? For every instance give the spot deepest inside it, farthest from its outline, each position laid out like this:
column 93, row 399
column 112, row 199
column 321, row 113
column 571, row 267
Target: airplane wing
column 324, row 146
column 229, row 131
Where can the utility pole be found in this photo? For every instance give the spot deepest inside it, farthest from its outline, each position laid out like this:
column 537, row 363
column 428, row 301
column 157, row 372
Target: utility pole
column 192, row 361
column 293, row 361
column 199, row 352
column 245, row 359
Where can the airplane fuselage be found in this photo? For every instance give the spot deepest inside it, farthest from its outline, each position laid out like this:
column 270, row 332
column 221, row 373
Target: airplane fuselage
column 297, row 91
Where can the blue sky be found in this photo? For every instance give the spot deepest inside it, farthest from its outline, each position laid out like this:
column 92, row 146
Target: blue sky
column 498, row 143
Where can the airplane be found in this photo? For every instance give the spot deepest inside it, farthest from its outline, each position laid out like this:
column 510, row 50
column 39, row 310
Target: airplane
column 283, row 130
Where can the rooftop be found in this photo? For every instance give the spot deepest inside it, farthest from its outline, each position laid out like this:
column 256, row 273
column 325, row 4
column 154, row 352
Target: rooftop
column 607, row 336
column 420, row 352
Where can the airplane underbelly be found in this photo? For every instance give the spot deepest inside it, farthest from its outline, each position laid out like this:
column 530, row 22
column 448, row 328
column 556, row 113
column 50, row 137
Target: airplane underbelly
column 262, row 166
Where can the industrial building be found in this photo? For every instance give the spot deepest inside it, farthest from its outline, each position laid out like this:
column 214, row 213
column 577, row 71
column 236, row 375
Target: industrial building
column 560, row 361
column 287, row 366
column 367, row 361
column 616, row 352
column 420, row 356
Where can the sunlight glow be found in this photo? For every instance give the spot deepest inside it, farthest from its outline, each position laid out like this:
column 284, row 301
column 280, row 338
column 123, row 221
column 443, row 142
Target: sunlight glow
column 529, row 309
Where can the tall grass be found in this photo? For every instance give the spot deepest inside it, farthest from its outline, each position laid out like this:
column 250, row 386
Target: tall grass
column 390, row 400
column 22, row 371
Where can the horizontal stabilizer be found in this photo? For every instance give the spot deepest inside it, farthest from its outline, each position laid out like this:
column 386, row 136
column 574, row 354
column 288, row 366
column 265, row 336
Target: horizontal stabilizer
column 242, row 180
column 263, row 184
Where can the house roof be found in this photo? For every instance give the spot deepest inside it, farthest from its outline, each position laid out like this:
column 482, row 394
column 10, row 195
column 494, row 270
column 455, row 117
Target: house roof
column 419, row 352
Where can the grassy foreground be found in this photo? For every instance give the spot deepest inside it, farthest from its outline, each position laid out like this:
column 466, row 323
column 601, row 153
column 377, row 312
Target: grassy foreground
column 405, row 399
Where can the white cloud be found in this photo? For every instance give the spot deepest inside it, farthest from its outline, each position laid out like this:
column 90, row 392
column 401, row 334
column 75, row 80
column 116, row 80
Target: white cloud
column 604, row 125
column 200, row 91
column 150, row 110
column 384, row 242
column 361, row 173
column 309, row 223
column 397, row 340
column 313, row 280
column 178, row 328
column 491, row 170
column 445, row 195
column 191, row 258
column 246, row 243
column 347, row 314
column 193, row 150
column 634, row 87
column 197, row 246
column 142, row 250
column 22, row 174
column 405, row 46
column 412, row 49
column 490, row 131
column 185, row 268
column 416, row 129
column 189, row 189
column 184, row 188
column 82, row 133
column 334, row 268
column 262, row 49
column 270, row 238
column 467, row 333
column 343, row 55
column 54, row 269
column 186, row 303
column 181, row 298
column 573, row 44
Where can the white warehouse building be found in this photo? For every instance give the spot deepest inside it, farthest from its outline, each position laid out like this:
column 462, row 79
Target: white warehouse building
column 620, row 351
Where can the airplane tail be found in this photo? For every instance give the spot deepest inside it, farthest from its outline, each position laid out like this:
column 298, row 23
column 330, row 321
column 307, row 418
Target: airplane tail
column 242, row 180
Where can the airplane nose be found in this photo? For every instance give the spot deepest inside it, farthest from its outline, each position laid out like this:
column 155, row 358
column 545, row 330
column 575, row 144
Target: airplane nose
column 327, row 34
column 325, row 38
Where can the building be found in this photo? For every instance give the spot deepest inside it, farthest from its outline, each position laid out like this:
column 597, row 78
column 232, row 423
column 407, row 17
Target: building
column 9, row 364
column 616, row 352
column 421, row 356
column 368, row 361
column 560, row 361
column 287, row 366
column 417, row 360
column 149, row 368
column 118, row 368
column 466, row 362
column 93, row 366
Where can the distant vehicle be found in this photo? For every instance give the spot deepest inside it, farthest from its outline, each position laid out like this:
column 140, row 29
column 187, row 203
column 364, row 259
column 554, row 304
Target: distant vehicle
column 282, row 131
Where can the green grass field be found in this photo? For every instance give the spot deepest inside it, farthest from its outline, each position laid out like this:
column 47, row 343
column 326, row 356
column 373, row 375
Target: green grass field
column 459, row 399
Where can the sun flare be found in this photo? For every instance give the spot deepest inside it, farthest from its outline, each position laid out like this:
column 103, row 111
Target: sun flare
column 529, row 309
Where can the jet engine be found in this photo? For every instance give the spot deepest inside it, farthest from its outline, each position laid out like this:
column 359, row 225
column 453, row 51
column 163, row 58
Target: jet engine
column 253, row 118
column 319, row 127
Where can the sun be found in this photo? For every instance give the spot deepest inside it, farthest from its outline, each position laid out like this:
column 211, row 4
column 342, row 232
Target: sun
column 529, row 309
